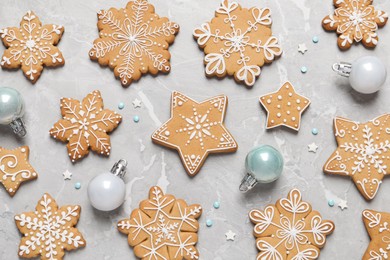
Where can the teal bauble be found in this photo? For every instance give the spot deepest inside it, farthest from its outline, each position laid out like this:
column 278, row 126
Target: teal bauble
column 12, row 110
column 264, row 164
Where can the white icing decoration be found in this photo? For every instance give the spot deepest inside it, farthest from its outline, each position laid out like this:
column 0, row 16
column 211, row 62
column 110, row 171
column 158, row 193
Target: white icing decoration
column 291, row 230
column 238, row 41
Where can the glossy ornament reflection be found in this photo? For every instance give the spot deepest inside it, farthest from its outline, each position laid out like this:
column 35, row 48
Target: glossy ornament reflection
column 107, row 191
column 264, row 164
column 12, row 110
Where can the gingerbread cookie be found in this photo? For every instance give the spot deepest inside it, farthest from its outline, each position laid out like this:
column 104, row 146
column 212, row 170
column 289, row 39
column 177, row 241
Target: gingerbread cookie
column 49, row 231
column 15, row 168
column 195, row 130
column 238, row 42
column 163, row 228
column 32, row 46
column 289, row 229
column 355, row 21
column 377, row 226
column 284, row 107
column 363, row 153
column 85, row 125
column 133, row 41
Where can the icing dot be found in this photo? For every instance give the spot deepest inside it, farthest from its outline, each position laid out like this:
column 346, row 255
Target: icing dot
column 77, row 185
column 209, row 222
column 280, row 97
column 180, row 103
column 268, row 101
column 315, row 39
column 23, row 150
column 314, row 131
column 331, row 203
column 136, row 119
column 278, row 115
column 193, row 156
column 167, row 133
column 303, row 69
column 121, row 105
column 216, row 205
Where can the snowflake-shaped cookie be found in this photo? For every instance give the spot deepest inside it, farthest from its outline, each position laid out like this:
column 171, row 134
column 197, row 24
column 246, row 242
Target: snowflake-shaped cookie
column 163, row 228
column 363, row 152
column 355, row 20
column 15, row 168
column 49, row 230
column 238, row 41
column 378, row 228
column 289, row 229
column 85, row 125
column 133, row 41
column 195, row 130
column 31, row 46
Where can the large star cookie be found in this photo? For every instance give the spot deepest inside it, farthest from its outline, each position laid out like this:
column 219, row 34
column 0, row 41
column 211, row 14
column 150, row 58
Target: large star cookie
column 49, row 231
column 363, row 153
column 289, row 229
column 32, row 46
column 284, row 107
column 196, row 130
column 15, row 168
column 355, row 21
column 377, row 226
column 238, row 41
column 133, row 41
column 163, row 228
column 85, row 125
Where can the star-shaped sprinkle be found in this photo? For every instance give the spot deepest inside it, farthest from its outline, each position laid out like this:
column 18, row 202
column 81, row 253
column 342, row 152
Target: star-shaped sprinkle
column 67, row 175
column 230, row 235
column 136, row 103
column 377, row 226
column 312, row 147
column 284, row 107
column 195, row 130
column 302, row 48
column 49, row 231
column 15, row 168
column 85, row 124
column 363, row 153
column 31, row 46
column 343, row 204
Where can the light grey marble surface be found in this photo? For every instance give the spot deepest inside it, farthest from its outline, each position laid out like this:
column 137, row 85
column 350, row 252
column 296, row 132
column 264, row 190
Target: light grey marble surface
column 294, row 22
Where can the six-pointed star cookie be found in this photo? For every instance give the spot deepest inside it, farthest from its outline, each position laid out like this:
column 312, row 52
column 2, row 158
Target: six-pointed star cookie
column 49, row 231
column 290, row 229
column 284, row 107
column 15, row 168
column 31, row 46
column 355, row 20
column 378, row 228
column 238, row 42
column 195, row 130
column 163, row 228
column 133, row 41
column 85, row 125
column 363, row 152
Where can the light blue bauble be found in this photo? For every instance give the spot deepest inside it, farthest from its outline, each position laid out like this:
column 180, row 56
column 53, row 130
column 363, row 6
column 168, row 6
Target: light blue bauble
column 264, row 163
column 11, row 105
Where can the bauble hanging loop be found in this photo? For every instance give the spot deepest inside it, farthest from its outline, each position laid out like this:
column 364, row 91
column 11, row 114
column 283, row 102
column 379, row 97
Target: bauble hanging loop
column 366, row 74
column 12, row 110
column 107, row 191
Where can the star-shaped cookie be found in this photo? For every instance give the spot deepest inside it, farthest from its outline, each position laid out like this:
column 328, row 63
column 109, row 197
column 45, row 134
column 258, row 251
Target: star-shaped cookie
column 284, row 107
column 195, row 130
column 32, row 46
column 377, row 226
column 363, row 152
column 85, row 124
column 15, row 168
column 355, row 21
column 49, row 231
